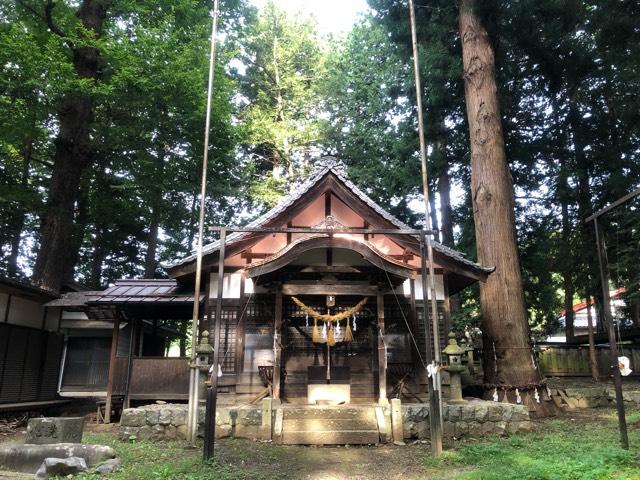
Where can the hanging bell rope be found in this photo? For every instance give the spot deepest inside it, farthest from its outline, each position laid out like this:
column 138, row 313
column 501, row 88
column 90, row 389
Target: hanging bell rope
column 330, row 318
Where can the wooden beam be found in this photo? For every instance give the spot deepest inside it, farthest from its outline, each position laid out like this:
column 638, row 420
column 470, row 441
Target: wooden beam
column 277, row 340
column 382, row 356
column 112, row 368
column 283, row 259
column 297, row 289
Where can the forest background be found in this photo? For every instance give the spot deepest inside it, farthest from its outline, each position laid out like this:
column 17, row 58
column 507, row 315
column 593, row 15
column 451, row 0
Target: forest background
column 132, row 74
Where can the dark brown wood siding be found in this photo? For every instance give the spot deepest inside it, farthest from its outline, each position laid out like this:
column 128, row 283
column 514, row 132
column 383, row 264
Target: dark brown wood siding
column 29, row 364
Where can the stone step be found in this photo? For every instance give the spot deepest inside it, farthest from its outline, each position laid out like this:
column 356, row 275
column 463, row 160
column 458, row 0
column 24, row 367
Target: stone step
column 330, row 412
column 325, row 425
column 342, row 437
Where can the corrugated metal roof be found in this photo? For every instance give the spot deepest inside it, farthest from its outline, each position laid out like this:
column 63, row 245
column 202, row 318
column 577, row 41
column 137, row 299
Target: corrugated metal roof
column 164, row 291
column 325, row 166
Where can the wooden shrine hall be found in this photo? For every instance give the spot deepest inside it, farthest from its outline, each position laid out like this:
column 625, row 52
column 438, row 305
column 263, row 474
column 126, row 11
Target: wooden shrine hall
column 305, row 317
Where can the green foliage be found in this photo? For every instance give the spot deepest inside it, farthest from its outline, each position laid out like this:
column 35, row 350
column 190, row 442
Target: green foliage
column 278, row 100
column 564, row 449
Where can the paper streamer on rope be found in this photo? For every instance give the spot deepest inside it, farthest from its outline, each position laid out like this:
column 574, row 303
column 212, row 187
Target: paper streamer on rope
column 315, row 338
column 495, row 395
column 518, row 397
column 324, row 331
column 355, row 325
column 536, row 395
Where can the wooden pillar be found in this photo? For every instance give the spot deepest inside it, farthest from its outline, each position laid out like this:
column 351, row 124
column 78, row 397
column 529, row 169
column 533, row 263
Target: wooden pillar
column 112, row 368
column 277, row 344
column 446, row 306
column 133, row 325
column 382, row 357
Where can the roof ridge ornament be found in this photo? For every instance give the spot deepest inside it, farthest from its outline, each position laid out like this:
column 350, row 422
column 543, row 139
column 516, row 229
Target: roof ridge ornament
column 332, row 163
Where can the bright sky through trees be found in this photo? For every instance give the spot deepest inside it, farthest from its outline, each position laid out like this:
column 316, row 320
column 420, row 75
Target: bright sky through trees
column 334, row 16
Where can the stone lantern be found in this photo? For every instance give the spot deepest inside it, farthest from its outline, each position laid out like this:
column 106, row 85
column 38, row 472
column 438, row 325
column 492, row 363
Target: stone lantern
column 454, row 354
column 204, row 352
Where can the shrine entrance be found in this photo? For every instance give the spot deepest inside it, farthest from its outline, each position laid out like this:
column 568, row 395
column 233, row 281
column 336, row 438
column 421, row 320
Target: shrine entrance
column 346, row 372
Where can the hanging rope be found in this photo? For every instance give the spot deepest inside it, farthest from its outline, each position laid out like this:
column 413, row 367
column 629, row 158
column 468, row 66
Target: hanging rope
column 324, row 317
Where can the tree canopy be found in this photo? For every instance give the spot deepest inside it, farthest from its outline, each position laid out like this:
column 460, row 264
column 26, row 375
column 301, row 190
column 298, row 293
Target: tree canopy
column 567, row 77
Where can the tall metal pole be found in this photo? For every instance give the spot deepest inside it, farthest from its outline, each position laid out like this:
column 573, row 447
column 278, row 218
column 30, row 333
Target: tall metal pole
column 603, row 264
column 192, row 419
column 436, row 392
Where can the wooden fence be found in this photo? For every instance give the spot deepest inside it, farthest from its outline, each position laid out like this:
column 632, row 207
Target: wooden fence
column 573, row 360
column 153, row 378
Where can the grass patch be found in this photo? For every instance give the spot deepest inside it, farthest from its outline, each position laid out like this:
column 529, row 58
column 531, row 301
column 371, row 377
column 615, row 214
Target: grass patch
column 583, row 447
column 561, row 449
column 174, row 460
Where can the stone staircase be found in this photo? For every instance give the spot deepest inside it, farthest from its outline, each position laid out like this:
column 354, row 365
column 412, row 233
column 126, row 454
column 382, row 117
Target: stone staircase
column 326, row 425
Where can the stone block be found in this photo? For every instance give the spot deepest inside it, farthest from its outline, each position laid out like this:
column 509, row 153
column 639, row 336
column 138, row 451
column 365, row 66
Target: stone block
column 460, row 429
column 495, row 412
column 423, row 430
column 250, row 432
column 488, row 428
column 519, row 414
column 468, row 412
column 133, row 417
column 249, row 416
column 171, row 432
column 164, row 418
column 475, row 429
column 454, row 413
column 449, row 429
column 28, row 458
column 179, row 417
column 145, row 432
column 49, row 430
column 128, row 433
column 182, row 431
column 223, row 431
column 525, row 427
column 152, row 416
column 512, row 427
column 507, row 412
column 396, row 419
column 223, row 416
column 61, row 467
column 481, row 412
column 500, row 427
column 108, row 467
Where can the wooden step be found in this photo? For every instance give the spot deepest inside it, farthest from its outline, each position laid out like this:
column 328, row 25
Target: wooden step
column 365, row 413
column 341, row 437
column 322, row 425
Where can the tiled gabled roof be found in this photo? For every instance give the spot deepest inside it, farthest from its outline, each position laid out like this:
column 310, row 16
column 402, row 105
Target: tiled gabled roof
column 324, row 166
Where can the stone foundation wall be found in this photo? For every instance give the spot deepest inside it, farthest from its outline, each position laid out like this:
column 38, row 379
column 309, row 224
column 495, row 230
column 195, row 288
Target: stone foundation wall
column 169, row 421
column 596, row 396
column 474, row 419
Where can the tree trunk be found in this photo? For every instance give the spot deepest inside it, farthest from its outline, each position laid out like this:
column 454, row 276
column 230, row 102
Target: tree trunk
column 585, row 208
column 150, row 261
column 444, row 189
column 95, row 278
column 508, row 354
column 72, row 157
column 565, row 250
column 20, row 214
